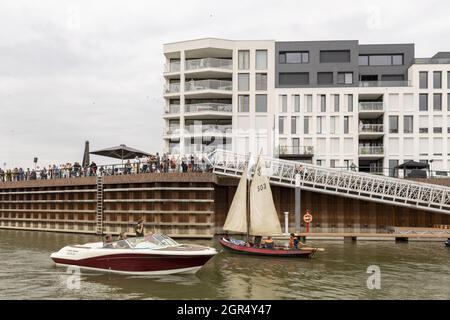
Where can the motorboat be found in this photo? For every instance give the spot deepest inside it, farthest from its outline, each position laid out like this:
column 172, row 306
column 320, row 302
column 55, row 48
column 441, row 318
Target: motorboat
column 155, row 254
column 447, row 243
column 253, row 212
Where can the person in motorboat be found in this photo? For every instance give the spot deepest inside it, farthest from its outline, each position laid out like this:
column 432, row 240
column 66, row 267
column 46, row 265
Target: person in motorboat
column 122, row 236
column 268, row 243
column 139, row 228
column 108, row 243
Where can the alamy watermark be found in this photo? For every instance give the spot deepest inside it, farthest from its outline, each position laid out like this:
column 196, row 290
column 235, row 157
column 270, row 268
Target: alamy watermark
column 374, row 280
column 73, row 281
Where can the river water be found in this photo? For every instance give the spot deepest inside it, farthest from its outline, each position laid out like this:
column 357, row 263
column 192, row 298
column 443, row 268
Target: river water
column 414, row 270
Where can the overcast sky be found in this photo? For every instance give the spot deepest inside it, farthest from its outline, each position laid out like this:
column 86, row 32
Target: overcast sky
column 72, row 71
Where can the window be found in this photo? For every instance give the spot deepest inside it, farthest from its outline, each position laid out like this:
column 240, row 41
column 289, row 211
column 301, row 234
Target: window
column 323, row 103
column 448, row 79
column 306, row 125
column 309, row 101
column 261, row 103
column 319, row 124
column 296, row 103
column 293, row 78
column 393, row 124
column 281, row 121
column 244, row 59
column 423, row 80
column 243, row 81
column 437, row 130
column 319, row 162
column 423, row 102
column 350, row 103
column 333, row 163
column 294, row 125
column 437, row 79
column 381, row 60
column 261, row 59
column 325, row 78
column 437, row 102
column 408, row 124
column 336, row 103
column 448, row 101
column 346, row 124
column 294, row 57
column 244, row 103
column 392, row 165
column 283, row 103
column 345, row 78
column 341, row 56
column 423, row 130
column 333, row 125
column 296, row 144
column 261, row 81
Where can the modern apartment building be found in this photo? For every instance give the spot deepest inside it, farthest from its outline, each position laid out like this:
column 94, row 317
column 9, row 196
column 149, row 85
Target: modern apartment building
column 331, row 103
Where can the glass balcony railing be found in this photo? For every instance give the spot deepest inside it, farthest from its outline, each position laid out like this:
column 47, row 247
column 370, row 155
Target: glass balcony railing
column 209, row 129
column 172, row 67
column 432, row 61
column 371, row 106
column 205, row 107
column 172, row 88
column 173, row 109
column 204, row 149
column 295, row 150
column 371, row 128
column 371, row 150
column 173, row 130
column 399, row 83
column 204, row 63
column 198, row 85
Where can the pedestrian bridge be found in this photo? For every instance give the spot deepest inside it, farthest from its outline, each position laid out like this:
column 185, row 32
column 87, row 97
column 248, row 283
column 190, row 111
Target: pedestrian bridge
column 357, row 185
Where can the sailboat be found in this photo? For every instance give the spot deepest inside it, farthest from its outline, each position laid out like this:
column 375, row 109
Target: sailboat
column 256, row 216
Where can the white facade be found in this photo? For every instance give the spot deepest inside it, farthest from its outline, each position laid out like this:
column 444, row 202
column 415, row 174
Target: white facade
column 357, row 132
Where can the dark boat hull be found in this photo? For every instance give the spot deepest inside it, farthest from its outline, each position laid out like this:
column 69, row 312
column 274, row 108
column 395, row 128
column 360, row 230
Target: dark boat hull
column 281, row 253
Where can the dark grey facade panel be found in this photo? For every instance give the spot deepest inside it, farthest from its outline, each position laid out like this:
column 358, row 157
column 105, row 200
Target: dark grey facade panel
column 293, row 79
column 341, row 56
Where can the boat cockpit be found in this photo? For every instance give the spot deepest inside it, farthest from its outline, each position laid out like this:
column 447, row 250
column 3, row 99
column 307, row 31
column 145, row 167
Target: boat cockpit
column 152, row 241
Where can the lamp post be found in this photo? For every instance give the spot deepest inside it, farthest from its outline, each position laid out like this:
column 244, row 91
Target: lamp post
column 35, row 160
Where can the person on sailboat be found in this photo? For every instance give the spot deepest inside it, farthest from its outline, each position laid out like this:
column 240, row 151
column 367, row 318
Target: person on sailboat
column 268, row 243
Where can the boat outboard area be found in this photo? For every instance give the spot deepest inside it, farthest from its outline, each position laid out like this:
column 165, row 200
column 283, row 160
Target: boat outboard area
column 152, row 254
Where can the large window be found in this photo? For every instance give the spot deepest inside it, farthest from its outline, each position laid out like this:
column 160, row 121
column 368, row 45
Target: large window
column 392, row 168
column 334, row 56
column 281, row 121
column 345, row 78
column 448, row 101
column 437, row 79
column 381, row 60
column 350, row 103
column 393, row 124
column 325, row 78
column 437, row 102
column 296, row 103
column 261, row 59
column 336, row 102
column 319, row 124
column 293, row 78
column 309, row 102
column 294, row 57
column 346, row 124
column 244, row 59
column 408, row 124
column 244, row 103
column 333, row 124
column 261, row 103
column 448, row 79
column 283, row 103
column 243, row 81
column 423, row 102
column 294, row 125
column 261, row 81
column 423, row 80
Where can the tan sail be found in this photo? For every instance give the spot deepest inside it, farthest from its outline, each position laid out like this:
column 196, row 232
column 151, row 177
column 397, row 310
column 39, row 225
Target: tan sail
column 237, row 215
column 263, row 215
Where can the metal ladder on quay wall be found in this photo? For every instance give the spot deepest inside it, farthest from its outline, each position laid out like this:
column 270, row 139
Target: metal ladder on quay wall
column 99, row 209
column 356, row 185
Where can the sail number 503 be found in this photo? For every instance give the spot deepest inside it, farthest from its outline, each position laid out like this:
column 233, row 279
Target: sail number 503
column 262, row 187
column 233, row 309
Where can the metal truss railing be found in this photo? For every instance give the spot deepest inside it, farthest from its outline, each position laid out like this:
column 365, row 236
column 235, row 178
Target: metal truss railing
column 358, row 185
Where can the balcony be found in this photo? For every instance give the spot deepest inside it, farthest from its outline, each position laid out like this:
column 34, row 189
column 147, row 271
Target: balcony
column 214, row 109
column 295, row 152
column 371, row 131
column 172, row 67
column 371, row 106
column 205, row 149
column 208, row 63
column 199, row 85
column 173, row 110
column 371, row 152
column 209, row 129
column 172, row 88
column 377, row 84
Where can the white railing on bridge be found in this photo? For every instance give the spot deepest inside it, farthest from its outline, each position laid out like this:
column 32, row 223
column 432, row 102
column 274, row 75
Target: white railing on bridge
column 358, row 185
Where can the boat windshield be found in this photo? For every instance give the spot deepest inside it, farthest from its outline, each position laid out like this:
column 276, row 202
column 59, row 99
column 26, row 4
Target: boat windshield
column 153, row 241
